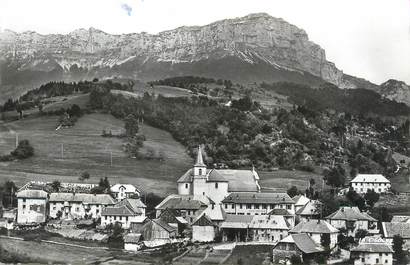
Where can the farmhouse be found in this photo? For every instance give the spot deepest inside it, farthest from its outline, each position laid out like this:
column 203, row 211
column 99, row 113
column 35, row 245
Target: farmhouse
column 122, row 191
column 317, row 230
column 377, row 182
column 257, row 203
column 216, row 183
column 401, row 229
column 351, row 219
column 203, row 229
column 78, row 205
column 311, row 210
column 31, row 206
column 372, row 250
column 125, row 212
column 189, row 206
column 301, row 245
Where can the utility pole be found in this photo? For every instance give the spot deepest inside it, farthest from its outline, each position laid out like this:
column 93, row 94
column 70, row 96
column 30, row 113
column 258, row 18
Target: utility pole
column 111, row 157
column 62, row 151
column 17, row 139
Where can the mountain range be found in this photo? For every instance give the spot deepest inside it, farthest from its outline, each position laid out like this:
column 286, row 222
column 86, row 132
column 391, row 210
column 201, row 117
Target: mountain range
column 254, row 48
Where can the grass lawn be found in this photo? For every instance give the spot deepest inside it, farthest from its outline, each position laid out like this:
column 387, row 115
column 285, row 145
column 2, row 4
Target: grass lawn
column 282, row 180
column 166, row 91
column 85, row 150
column 251, row 254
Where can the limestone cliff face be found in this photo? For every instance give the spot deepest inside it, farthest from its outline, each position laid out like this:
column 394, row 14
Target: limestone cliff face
column 396, row 90
column 253, row 38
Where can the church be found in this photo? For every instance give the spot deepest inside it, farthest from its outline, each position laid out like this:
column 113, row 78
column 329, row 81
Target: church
column 216, row 184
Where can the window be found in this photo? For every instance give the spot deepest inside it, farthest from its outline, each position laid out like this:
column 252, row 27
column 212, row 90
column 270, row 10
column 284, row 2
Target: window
column 77, row 209
column 126, row 218
column 240, row 206
column 203, row 193
column 186, row 185
column 263, row 206
column 226, row 206
column 288, row 207
column 363, row 260
column 24, row 199
column 216, row 185
column 377, row 261
column 24, row 207
column 54, row 208
column 256, row 206
column 233, row 206
column 115, row 218
column 105, row 217
column 200, row 171
column 386, row 261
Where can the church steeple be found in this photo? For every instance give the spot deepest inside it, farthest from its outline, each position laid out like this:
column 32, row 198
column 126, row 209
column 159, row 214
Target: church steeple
column 199, row 160
column 199, row 167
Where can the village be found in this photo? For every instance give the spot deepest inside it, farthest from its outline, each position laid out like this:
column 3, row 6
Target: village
column 217, row 209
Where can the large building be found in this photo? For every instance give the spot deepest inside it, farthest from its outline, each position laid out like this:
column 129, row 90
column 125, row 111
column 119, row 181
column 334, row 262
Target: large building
column 78, row 205
column 31, row 206
column 216, row 183
column 364, row 182
column 257, row 203
column 351, row 220
column 123, row 191
column 372, row 251
column 125, row 212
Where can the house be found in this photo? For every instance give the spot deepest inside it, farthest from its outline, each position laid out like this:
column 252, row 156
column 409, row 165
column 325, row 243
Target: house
column 203, row 229
column 174, row 218
column 391, row 229
column 122, row 191
column 31, row 206
column 215, row 213
column 300, row 201
column 377, row 182
column 189, row 206
column 268, row 228
column 311, row 210
column 352, row 219
column 158, row 230
column 317, row 230
column 256, row 228
column 289, row 217
column 301, row 245
column 132, row 242
column 78, row 205
column 372, row 251
column 216, row 183
column 124, row 212
column 257, row 203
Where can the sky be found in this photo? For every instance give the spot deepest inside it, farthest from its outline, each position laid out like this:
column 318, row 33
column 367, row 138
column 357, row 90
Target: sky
column 365, row 38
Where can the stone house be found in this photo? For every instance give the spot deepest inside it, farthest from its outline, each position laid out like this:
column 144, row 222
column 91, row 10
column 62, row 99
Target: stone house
column 317, row 230
column 377, row 182
column 125, row 212
column 372, row 251
column 203, row 229
column 123, row 191
column 31, row 206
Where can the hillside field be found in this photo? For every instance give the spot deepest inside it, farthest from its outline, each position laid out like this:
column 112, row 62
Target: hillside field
column 84, row 149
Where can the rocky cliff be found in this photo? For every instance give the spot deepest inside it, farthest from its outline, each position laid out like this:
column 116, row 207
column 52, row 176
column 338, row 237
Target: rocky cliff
column 256, row 47
column 395, row 90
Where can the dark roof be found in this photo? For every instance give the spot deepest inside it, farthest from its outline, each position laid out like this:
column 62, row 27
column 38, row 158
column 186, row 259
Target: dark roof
column 132, row 238
column 203, row 220
column 134, row 204
column 164, row 225
column 392, row 229
column 258, row 197
column 183, row 204
column 310, row 208
column 215, row 176
column 280, row 211
column 237, row 221
column 373, row 245
column 303, row 242
column 121, row 210
column 314, row 226
column 350, row 214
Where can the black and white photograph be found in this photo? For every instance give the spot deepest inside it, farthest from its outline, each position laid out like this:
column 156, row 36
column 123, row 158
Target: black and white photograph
column 205, row 132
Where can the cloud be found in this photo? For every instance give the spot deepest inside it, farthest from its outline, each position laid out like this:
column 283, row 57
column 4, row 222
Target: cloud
column 127, row 9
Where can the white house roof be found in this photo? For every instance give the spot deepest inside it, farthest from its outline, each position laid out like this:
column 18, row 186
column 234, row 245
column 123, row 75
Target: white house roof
column 372, row 244
column 269, row 222
column 128, row 187
column 372, row 178
column 314, row 227
column 86, row 198
column 300, row 200
column 32, row 194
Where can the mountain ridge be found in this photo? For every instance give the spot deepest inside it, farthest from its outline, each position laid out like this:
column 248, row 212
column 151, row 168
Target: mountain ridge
column 259, row 40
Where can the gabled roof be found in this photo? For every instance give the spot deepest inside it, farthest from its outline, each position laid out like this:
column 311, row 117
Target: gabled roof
column 300, row 200
column 237, row 221
column 32, row 194
column 203, row 220
column 104, row 199
column 303, row 242
column 350, row 214
column 217, row 213
column 400, row 219
column 258, row 197
column 392, row 229
column 314, row 227
column 132, row 238
column 311, row 208
column 215, row 176
column 373, row 245
column 120, row 210
column 164, row 225
column 184, row 202
column 128, row 187
column 372, row 178
column 269, row 222
column 134, row 204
